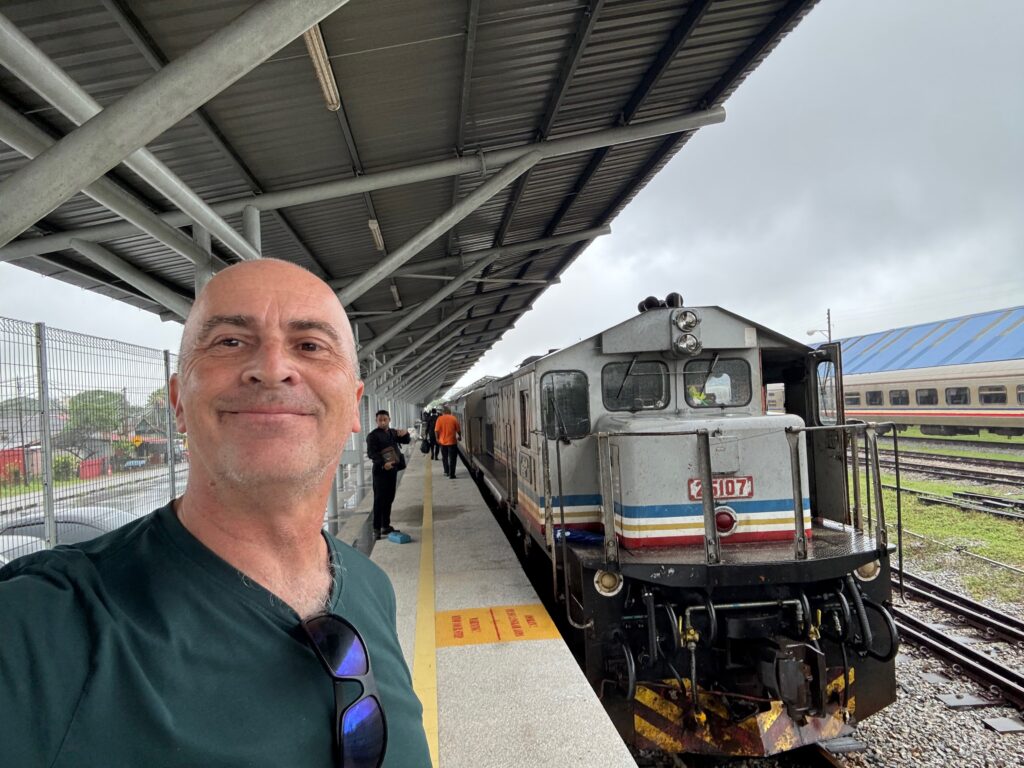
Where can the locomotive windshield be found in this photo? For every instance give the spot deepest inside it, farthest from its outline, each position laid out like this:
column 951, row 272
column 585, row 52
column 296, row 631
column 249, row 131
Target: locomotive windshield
column 717, row 382
column 635, row 386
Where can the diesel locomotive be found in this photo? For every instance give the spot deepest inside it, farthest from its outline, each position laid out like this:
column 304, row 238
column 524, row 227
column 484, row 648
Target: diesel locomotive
column 724, row 577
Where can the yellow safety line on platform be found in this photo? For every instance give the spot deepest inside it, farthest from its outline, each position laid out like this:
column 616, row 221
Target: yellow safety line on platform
column 424, row 678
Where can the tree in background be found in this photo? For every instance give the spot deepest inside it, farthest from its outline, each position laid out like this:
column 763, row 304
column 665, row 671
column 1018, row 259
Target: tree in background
column 92, row 413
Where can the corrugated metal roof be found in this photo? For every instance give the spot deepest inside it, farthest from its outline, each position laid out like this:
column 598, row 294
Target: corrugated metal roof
column 983, row 338
column 401, row 68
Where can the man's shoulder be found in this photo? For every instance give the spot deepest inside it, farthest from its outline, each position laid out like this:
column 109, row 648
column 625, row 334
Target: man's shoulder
column 73, row 562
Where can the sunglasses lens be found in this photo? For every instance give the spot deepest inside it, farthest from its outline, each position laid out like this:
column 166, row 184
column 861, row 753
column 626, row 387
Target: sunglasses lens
column 362, row 734
column 340, row 645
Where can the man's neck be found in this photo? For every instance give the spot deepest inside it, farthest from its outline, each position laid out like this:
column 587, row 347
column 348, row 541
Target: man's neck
column 273, row 538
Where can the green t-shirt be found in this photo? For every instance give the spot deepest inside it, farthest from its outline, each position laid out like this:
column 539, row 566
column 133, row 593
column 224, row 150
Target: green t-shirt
column 143, row 648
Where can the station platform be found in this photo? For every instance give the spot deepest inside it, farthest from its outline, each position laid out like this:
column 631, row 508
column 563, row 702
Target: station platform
column 499, row 686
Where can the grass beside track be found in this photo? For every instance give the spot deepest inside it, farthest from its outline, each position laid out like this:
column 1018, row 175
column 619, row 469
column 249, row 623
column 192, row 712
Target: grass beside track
column 950, row 532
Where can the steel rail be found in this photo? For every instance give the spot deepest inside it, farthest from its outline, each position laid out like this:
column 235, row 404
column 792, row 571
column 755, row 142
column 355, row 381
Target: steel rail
column 975, row 664
column 976, row 614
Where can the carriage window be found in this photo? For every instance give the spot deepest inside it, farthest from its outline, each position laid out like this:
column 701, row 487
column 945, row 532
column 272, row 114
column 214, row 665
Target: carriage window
column 874, row 397
column 958, row 396
column 635, row 386
column 524, row 418
column 899, row 397
column 566, row 404
column 927, row 396
column 852, row 398
column 1020, row 394
column 717, row 382
column 994, row 395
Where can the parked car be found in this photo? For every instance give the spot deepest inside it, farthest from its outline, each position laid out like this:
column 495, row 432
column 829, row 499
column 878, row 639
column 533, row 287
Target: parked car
column 16, row 545
column 73, row 525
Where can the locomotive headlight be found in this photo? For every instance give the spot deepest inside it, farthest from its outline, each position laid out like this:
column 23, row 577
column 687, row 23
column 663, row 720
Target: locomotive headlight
column 608, row 583
column 869, row 571
column 688, row 345
column 685, row 320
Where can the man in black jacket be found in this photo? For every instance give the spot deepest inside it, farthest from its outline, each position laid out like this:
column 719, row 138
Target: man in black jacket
column 434, row 447
column 383, row 446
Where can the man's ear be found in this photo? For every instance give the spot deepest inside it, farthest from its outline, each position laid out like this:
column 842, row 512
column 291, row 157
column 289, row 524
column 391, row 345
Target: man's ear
column 356, row 425
column 174, row 395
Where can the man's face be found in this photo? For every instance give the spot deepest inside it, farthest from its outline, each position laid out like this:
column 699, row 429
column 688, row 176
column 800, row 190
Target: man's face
column 383, row 420
column 268, row 391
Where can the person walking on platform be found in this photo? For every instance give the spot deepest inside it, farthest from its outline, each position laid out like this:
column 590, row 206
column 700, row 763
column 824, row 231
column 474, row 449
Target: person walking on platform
column 435, row 448
column 448, row 433
column 226, row 628
column 383, row 446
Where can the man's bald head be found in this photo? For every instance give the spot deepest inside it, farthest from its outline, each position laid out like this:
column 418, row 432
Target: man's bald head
column 252, row 279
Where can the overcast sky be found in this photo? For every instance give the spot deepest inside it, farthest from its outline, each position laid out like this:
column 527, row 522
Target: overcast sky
column 873, row 165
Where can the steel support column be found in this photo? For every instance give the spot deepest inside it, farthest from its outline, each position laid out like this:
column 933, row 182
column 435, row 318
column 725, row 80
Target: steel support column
column 186, row 83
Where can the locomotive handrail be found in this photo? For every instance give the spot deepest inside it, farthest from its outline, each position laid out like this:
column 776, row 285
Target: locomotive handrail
column 712, row 543
column 713, row 432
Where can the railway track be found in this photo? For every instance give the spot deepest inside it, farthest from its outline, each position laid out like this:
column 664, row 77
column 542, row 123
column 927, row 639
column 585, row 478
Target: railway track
column 992, row 471
column 955, row 443
column 1011, row 509
column 997, row 677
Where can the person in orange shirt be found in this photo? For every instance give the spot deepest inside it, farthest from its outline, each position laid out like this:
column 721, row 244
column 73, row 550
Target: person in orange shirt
column 447, row 433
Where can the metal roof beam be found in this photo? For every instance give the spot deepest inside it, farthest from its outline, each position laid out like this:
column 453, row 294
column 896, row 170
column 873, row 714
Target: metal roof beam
column 438, row 227
column 572, row 60
column 468, row 51
column 22, row 135
column 427, row 352
column 675, row 42
column 472, row 256
column 390, row 364
column 409, row 318
column 156, row 59
column 27, row 62
column 151, row 108
column 136, row 278
column 314, row 193
column 756, row 47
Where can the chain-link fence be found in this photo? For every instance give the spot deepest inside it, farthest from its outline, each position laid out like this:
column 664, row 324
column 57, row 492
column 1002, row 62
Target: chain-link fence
column 87, row 437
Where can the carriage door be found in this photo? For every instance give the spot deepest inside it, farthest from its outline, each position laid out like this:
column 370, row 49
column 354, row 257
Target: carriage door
column 827, row 449
column 508, row 440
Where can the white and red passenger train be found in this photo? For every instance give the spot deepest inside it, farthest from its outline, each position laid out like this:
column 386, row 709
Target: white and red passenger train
column 725, row 595
column 941, row 400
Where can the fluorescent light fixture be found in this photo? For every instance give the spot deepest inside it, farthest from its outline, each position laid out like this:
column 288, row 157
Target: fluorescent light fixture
column 322, row 66
column 394, row 292
column 378, row 238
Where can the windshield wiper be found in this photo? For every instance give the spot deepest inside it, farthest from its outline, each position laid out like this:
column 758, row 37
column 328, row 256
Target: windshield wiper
column 629, row 370
column 711, row 370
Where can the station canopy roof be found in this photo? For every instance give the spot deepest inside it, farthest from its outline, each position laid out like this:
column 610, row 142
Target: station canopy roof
column 476, row 147
column 986, row 337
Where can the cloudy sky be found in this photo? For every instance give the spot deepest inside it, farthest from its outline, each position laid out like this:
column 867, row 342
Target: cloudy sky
column 873, row 165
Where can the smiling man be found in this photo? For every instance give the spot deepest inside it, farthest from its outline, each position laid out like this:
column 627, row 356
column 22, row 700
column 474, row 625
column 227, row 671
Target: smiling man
column 225, row 628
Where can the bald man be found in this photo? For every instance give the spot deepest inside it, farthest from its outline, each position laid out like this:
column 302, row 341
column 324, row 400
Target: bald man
column 225, row 628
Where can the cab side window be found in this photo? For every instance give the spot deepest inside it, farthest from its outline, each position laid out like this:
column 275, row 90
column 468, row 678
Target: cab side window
column 565, row 403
